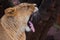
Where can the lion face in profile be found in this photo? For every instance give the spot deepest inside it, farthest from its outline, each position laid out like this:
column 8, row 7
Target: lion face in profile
column 21, row 12
column 15, row 20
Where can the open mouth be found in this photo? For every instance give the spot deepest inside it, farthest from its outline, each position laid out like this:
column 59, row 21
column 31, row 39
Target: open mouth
column 31, row 26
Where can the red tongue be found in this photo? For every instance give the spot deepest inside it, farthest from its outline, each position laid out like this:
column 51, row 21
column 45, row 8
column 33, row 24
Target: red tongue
column 32, row 27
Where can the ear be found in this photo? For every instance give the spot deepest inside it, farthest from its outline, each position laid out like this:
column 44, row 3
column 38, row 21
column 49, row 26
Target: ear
column 10, row 10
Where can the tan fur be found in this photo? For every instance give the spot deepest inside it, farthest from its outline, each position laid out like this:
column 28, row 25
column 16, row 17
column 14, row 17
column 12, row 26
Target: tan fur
column 14, row 22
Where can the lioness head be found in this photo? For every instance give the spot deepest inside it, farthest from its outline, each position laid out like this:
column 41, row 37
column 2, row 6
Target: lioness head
column 21, row 13
column 23, row 9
